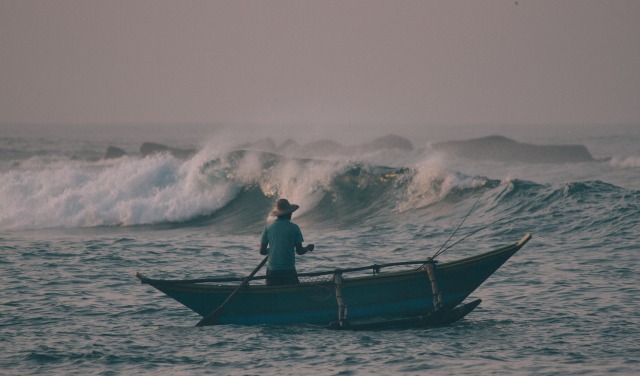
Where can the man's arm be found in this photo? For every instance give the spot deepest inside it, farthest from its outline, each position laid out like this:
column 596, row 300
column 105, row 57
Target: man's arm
column 263, row 249
column 302, row 250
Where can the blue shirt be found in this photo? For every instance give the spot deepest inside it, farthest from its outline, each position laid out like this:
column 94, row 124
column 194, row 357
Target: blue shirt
column 282, row 236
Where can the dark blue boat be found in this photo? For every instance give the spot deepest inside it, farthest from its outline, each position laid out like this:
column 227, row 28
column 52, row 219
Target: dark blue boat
column 430, row 294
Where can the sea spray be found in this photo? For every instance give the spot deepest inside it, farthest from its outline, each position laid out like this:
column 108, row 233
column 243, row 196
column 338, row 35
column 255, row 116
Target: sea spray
column 629, row 162
column 432, row 182
column 131, row 192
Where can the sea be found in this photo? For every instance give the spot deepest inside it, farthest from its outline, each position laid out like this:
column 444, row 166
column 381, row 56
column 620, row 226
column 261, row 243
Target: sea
column 75, row 227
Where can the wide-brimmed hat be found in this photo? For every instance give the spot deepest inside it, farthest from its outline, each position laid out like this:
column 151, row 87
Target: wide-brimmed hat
column 283, row 207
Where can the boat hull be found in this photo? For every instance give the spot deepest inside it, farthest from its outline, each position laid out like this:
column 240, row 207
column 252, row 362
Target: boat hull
column 379, row 297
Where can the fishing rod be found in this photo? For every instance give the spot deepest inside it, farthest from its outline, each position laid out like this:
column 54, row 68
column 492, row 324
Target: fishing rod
column 456, row 230
column 472, row 233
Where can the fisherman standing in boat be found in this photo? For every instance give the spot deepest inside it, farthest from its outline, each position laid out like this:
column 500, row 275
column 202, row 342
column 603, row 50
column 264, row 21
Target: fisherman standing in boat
column 282, row 237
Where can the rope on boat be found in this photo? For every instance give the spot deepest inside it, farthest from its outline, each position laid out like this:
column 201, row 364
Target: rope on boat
column 457, row 228
column 342, row 308
column 375, row 268
column 470, row 234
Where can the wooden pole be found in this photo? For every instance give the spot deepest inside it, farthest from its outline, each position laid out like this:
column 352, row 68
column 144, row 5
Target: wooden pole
column 211, row 318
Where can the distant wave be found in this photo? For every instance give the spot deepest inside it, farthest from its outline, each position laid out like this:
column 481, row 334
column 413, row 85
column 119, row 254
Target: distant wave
column 625, row 162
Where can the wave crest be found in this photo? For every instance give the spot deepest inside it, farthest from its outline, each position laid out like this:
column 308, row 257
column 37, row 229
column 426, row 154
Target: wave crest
column 236, row 189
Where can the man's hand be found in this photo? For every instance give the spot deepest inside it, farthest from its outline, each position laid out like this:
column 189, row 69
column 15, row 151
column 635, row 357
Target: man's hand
column 302, row 250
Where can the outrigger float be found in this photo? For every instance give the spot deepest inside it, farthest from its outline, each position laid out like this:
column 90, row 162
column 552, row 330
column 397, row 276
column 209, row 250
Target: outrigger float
column 430, row 294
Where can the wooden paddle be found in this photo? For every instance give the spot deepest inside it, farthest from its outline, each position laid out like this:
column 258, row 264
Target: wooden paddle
column 211, row 318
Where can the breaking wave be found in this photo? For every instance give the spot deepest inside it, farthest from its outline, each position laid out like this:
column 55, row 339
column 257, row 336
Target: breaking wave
column 237, row 190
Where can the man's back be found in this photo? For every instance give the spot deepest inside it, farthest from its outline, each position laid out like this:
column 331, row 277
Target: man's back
column 282, row 236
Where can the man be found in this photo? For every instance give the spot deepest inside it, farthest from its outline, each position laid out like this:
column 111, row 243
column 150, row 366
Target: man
column 283, row 238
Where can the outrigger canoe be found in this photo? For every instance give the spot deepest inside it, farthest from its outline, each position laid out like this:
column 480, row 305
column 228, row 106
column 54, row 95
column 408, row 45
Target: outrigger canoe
column 427, row 295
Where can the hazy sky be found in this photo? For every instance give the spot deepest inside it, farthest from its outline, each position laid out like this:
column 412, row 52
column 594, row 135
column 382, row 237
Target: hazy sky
column 320, row 62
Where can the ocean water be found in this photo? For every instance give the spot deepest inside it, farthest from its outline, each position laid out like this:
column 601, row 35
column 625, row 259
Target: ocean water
column 75, row 227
